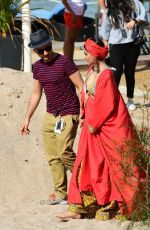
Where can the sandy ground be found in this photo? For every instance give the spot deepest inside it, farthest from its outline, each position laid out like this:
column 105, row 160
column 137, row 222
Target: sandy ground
column 25, row 177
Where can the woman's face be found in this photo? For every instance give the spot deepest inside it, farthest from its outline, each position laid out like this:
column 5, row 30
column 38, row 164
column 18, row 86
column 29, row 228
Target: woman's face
column 90, row 59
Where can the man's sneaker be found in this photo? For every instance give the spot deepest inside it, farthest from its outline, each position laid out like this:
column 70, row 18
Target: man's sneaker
column 130, row 105
column 53, row 200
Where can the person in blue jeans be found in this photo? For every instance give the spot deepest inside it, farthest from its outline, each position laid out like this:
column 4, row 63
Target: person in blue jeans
column 119, row 28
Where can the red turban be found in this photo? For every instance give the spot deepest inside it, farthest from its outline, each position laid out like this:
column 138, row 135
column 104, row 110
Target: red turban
column 96, row 50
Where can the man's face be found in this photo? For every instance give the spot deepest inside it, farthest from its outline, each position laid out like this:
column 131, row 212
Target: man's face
column 45, row 52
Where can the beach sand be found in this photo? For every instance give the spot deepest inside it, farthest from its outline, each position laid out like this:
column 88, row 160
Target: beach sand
column 25, row 177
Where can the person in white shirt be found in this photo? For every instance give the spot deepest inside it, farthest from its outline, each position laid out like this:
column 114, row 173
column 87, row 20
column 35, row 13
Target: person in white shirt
column 120, row 28
column 73, row 17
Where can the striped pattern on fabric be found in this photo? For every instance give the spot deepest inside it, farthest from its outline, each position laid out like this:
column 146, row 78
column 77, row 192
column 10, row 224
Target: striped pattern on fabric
column 59, row 90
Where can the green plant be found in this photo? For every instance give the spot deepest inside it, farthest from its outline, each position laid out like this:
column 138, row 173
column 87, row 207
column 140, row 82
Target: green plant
column 139, row 152
column 135, row 165
column 8, row 10
column 144, row 136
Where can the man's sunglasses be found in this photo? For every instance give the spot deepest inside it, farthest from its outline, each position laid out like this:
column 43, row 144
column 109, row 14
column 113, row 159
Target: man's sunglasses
column 41, row 51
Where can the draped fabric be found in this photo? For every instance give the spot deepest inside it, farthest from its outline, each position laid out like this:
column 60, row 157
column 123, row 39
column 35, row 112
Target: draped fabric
column 104, row 153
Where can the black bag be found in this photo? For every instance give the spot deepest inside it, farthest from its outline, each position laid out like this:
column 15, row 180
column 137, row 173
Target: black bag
column 145, row 48
column 141, row 41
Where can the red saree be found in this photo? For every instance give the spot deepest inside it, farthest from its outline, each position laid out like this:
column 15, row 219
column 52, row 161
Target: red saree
column 101, row 152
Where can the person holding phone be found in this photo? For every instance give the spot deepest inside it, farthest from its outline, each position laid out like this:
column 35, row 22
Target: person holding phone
column 119, row 29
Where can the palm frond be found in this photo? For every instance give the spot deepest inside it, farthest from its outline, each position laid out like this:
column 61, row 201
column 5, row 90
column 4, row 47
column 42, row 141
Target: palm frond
column 8, row 10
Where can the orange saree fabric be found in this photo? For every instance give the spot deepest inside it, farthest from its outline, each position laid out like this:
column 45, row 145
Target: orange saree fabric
column 102, row 152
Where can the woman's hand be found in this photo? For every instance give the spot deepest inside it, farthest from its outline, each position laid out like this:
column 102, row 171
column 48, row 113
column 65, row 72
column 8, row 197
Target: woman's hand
column 91, row 129
column 130, row 25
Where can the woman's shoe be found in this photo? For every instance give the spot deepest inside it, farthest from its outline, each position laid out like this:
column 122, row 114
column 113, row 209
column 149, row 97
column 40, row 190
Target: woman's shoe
column 130, row 105
column 119, row 216
column 102, row 215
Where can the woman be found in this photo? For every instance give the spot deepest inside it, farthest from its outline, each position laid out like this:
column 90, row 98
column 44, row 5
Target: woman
column 101, row 185
column 120, row 27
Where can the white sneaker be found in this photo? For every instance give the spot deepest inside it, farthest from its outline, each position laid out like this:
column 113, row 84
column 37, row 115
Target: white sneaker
column 130, row 105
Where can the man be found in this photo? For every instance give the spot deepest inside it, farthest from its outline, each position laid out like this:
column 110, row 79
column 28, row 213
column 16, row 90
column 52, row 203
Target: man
column 58, row 76
column 73, row 17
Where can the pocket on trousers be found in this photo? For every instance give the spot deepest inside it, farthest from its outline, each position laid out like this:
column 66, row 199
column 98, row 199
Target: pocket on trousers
column 75, row 120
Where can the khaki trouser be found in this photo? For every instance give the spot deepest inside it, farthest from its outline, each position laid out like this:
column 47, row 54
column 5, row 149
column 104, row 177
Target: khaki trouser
column 58, row 148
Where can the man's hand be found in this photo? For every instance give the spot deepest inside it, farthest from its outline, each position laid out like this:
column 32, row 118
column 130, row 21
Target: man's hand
column 24, row 127
column 32, row 105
